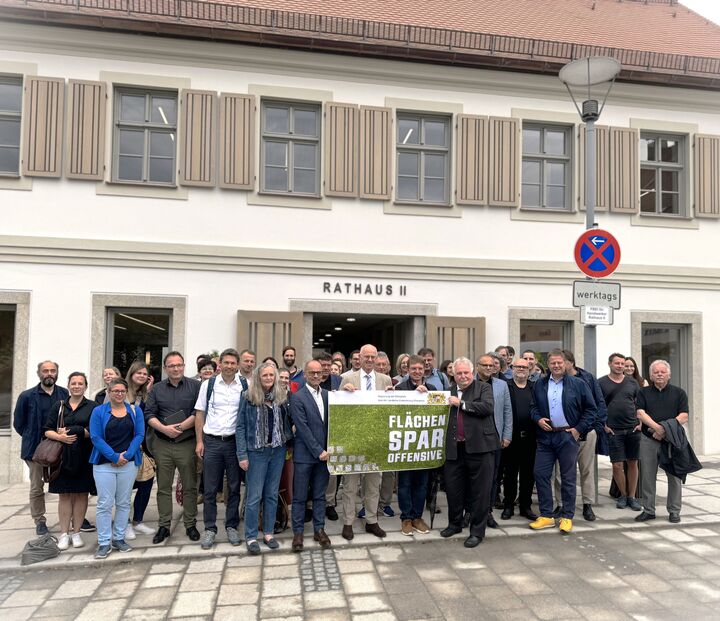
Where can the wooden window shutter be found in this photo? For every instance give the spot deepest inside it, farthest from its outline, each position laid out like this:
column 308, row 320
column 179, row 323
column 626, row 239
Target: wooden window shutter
column 504, row 156
column 375, row 152
column 237, row 141
column 624, row 170
column 198, row 132
column 707, row 176
column 341, row 149
column 43, row 112
column 85, row 145
column 602, row 165
column 472, row 160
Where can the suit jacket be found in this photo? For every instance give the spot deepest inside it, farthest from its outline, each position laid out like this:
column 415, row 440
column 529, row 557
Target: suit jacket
column 503, row 409
column 578, row 404
column 480, row 433
column 353, row 377
column 311, row 431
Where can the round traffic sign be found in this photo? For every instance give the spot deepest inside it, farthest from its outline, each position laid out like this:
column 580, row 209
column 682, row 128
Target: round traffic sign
column 597, row 253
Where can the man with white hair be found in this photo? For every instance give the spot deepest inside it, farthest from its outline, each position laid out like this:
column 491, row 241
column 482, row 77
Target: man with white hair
column 659, row 402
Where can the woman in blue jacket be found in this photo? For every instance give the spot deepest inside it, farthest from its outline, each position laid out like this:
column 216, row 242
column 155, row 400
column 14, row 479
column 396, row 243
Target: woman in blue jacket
column 117, row 430
column 263, row 430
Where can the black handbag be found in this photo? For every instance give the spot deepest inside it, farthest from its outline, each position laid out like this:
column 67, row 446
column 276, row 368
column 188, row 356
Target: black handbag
column 48, row 453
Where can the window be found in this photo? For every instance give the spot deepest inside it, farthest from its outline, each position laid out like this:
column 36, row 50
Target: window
column 145, row 135
column 138, row 334
column 546, row 167
column 10, row 111
column 543, row 335
column 7, row 356
column 669, row 342
column 662, row 174
column 423, row 158
column 290, row 148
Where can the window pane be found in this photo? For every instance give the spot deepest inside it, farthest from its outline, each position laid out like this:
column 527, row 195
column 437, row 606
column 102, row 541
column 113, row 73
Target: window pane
column 161, row 169
column 669, row 181
column 554, row 142
column 132, row 108
column 304, row 155
column 7, row 355
column 305, row 122
column 666, row 342
column 276, row 178
column 541, row 336
column 162, row 143
column 10, row 97
column 408, row 188
column 530, row 195
column 647, row 190
column 434, row 190
column 10, row 133
column 408, row 164
column 555, row 173
column 304, row 181
column 434, row 165
column 277, row 120
column 9, row 159
column 164, row 110
column 669, row 150
column 132, row 142
column 408, row 131
column 670, row 202
column 531, row 140
column 530, row 171
column 435, row 133
column 276, row 153
column 647, row 149
column 139, row 335
column 555, row 196
column 130, row 168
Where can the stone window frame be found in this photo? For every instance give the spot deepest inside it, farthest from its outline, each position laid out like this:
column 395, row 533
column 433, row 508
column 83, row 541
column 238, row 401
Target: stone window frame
column 516, row 315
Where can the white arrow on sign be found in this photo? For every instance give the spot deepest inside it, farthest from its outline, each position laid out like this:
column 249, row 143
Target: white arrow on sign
column 596, row 241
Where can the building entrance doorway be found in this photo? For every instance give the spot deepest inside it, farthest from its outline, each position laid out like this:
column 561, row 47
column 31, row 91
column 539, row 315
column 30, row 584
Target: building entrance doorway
column 393, row 334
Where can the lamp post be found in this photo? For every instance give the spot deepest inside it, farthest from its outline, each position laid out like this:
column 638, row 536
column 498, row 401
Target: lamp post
column 582, row 74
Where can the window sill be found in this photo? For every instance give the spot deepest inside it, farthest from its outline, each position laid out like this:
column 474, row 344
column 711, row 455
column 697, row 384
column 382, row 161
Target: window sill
column 532, row 214
column 15, row 182
column 405, row 208
column 140, row 190
column 664, row 221
column 299, row 201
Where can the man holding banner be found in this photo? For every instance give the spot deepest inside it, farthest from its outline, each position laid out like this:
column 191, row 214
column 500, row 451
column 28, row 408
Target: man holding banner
column 470, row 446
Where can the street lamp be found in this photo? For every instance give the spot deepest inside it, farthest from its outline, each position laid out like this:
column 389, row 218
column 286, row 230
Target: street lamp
column 581, row 74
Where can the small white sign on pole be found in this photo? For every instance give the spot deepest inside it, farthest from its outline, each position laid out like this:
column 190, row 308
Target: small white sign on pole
column 596, row 315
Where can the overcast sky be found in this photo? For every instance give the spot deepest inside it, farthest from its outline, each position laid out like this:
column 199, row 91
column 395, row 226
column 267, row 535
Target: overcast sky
column 706, row 8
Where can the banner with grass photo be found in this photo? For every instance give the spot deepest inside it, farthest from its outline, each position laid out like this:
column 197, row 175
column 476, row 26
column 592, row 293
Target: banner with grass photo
column 376, row 431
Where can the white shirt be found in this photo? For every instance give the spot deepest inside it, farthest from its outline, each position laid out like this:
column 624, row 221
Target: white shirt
column 317, row 395
column 221, row 413
column 363, row 381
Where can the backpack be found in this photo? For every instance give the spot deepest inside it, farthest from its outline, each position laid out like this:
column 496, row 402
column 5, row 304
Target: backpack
column 211, row 386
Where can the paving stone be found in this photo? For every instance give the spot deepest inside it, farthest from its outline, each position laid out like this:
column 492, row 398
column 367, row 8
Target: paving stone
column 416, row 605
column 387, row 554
column 603, row 613
column 18, row 614
column 235, row 613
column 361, row 583
column 70, row 607
column 500, row 598
column 196, row 603
column 206, row 565
column 448, row 589
column 525, row 583
column 375, row 616
column 280, row 571
column 281, row 606
column 115, row 590
column 271, row 559
column 145, row 614
column 241, row 575
column 153, row 598
column 77, row 588
column 327, row 615
column 22, row 598
column 237, row 594
column 167, row 568
column 161, row 580
column 281, row 588
column 326, row 599
column 550, row 607
column 107, row 610
column 355, row 566
column 352, row 554
column 244, row 561
column 368, row 603
column 429, row 574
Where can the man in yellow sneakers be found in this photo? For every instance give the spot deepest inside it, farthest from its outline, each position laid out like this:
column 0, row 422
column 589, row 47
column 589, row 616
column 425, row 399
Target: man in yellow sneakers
column 564, row 409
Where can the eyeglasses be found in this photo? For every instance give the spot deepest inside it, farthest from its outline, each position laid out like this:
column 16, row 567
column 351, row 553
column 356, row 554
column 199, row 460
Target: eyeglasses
column 175, row 366
column 486, row 366
column 520, row 367
column 313, row 373
column 118, row 392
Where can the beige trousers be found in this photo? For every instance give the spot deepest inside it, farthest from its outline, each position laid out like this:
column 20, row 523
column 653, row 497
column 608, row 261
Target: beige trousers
column 37, row 492
column 370, row 492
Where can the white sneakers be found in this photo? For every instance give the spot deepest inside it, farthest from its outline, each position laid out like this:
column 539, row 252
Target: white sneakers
column 77, row 541
column 63, row 541
column 129, row 532
column 143, row 530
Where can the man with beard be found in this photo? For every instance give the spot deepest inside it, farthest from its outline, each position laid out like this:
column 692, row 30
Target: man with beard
column 31, row 411
column 290, row 362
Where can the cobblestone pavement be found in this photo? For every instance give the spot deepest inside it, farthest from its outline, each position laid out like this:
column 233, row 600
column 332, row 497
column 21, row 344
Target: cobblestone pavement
column 613, row 568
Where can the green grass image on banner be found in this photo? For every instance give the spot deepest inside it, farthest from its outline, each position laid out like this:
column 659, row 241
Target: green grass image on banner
column 359, row 436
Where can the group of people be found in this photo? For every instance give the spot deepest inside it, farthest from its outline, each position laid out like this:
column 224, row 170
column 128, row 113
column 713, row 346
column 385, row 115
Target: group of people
column 512, row 428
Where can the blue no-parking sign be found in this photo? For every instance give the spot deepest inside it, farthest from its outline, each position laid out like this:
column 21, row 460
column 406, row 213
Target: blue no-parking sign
column 597, row 253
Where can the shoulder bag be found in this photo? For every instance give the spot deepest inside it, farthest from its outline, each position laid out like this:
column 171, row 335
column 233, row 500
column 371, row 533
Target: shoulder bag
column 48, row 453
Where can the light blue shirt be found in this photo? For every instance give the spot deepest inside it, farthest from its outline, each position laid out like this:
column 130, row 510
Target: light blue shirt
column 554, row 395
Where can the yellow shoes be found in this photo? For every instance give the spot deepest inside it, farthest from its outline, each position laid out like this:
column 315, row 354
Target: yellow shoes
column 543, row 522
column 565, row 525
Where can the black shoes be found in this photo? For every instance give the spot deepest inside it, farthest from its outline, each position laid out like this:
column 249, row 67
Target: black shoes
column 86, row 527
column 162, row 534
column 41, row 528
column 491, row 521
column 331, row 514
column 472, row 541
column 374, row 529
column 645, row 516
column 529, row 514
column 450, row 531
column 466, row 519
column 588, row 513
column 193, row 533
column 507, row 513
column 674, row 518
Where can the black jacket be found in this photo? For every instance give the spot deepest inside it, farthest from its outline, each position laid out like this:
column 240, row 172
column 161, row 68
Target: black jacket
column 478, row 421
column 676, row 455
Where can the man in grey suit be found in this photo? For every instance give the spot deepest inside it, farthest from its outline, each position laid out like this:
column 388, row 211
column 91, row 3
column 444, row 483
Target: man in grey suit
column 503, row 420
column 366, row 378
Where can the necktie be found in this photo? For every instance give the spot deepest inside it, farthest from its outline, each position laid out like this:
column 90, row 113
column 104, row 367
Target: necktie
column 368, row 382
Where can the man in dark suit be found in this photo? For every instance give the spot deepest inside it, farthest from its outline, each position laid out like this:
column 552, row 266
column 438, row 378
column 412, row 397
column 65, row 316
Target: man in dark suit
column 470, row 446
column 309, row 412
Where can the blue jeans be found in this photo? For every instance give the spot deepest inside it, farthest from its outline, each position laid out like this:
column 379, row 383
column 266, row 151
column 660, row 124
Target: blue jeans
column 412, row 490
column 555, row 446
column 315, row 476
column 263, row 482
column 114, row 487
